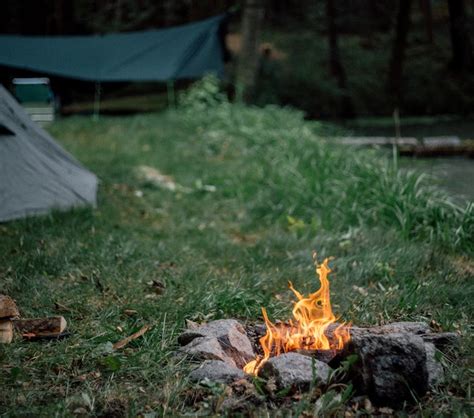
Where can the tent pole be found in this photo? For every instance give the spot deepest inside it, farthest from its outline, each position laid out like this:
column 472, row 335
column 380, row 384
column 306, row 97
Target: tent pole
column 171, row 93
column 98, row 91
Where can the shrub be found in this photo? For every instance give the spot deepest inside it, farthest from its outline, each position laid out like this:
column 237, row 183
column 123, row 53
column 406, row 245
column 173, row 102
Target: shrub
column 203, row 94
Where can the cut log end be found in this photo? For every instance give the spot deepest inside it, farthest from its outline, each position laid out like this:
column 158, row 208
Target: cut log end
column 8, row 308
column 6, row 331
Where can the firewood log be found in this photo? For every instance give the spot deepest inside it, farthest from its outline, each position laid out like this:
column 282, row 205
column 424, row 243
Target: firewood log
column 6, row 331
column 40, row 327
column 8, row 307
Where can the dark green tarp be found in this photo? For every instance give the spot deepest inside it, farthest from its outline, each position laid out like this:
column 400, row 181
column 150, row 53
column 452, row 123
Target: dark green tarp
column 187, row 51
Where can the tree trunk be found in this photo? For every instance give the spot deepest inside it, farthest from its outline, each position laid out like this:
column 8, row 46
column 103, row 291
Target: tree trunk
column 118, row 16
column 398, row 51
column 426, row 8
column 336, row 68
column 247, row 66
column 460, row 40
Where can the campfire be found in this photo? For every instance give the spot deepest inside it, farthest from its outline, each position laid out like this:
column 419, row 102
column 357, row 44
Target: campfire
column 392, row 364
column 312, row 318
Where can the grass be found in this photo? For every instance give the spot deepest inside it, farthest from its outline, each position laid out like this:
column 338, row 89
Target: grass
column 281, row 191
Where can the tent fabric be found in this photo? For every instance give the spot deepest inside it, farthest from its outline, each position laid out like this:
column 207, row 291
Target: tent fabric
column 187, row 51
column 36, row 174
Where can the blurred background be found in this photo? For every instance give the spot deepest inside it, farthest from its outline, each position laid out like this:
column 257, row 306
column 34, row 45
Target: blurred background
column 350, row 62
column 354, row 59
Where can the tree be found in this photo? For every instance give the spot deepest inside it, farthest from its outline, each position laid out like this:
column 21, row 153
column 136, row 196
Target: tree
column 462, row 58
column 428, row 17
column 336, row 68
column 398, row 51
column 113, row 15
column 248, row 62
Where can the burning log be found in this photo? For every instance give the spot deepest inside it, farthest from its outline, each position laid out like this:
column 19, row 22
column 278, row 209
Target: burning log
column 312, row 317
column 40, row 327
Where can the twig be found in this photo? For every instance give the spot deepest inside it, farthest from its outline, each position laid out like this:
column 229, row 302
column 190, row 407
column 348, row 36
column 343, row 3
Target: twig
column 122, row 343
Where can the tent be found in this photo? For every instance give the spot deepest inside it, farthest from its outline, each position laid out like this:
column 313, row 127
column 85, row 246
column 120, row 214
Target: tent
column 180, row 52
column 36, row 174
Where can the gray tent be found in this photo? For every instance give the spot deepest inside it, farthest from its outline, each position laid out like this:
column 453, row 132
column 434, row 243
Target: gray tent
column 36, row 174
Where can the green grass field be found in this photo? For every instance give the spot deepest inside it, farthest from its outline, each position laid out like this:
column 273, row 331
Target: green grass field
column 403, row 251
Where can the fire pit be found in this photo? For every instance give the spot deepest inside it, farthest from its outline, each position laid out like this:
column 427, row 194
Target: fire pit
column 390, row 364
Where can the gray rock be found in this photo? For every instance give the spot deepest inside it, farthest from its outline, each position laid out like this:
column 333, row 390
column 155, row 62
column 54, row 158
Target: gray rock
column 433, row 366
column 390, row 368
column 405, row 327
column 217, row 371
column 218, row 328
column 237, row 346
column 443, row 340
column 296, row 370
column 322, row 355
column 207, row 348
column 229, row 333
column 416, row 328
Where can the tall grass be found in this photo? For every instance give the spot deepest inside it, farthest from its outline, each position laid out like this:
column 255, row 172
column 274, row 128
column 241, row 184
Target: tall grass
column 282, row 168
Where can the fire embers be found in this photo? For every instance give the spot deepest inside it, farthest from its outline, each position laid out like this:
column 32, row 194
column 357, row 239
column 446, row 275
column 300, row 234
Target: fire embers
column 312, row 327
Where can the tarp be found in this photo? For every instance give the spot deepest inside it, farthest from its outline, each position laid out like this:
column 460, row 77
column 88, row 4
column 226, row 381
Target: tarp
column 180, row 52
column 36, row 174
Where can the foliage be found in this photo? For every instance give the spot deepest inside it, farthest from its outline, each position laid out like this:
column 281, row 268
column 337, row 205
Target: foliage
column 204, row 94
column 429, row 88
column 402, row 253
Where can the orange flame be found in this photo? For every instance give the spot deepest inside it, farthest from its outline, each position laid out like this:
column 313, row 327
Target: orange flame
column 312, row 317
